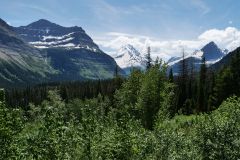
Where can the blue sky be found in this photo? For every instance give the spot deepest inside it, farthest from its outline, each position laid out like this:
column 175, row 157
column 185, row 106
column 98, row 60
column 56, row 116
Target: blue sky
column 107, row 20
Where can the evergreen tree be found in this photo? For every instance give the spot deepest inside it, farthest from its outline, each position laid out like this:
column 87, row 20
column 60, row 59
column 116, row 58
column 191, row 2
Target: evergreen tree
column 189, row 104
column 116, row 74
column 235, row 70
column 170, row 77
column 228, row 81
column 2, row 96
column 202, row 105
column 182, row 83
column 148, row 58
column 211, row 86
column 190, row 82
column 184, row 68
column 64, row 93
column 117, row 78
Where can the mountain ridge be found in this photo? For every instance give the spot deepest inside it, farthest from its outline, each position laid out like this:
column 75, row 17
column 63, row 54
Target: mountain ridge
column 45, row 34
column 211, row 52
column 25, row 64
column 226, row 60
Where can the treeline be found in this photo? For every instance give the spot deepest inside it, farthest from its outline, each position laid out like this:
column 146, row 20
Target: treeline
column 194, row 92
column 68, row 90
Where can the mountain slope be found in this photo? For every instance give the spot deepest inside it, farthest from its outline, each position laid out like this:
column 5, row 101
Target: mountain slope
column 80, row 64
column 19, row 62
column 225, row 61
column 129, row 57
column 70, row 51
column 210, row 52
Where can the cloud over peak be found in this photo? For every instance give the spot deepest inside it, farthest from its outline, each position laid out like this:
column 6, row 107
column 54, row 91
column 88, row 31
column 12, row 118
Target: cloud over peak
column 228, row 38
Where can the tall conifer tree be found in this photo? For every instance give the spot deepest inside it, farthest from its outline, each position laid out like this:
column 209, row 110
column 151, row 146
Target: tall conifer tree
column 170, row 77
column 148, row 58
column 182, row 82
column 202, row 105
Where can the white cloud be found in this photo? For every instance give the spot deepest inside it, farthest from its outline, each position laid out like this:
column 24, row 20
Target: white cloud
column 228, row 38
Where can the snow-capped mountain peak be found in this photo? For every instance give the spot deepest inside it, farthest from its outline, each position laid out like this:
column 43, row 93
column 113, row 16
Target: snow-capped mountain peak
column 129, row 49
column 128, row 57
column 211, row 52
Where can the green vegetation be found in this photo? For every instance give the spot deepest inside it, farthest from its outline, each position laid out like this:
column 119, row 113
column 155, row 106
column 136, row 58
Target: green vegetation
column 140, row 120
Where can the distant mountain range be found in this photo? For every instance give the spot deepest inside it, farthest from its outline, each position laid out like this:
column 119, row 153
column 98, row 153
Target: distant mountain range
column 43, row 51
column 211, row 52
column 129, row 57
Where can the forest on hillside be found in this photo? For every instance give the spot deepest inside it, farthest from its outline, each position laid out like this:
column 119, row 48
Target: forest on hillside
column 151, row 114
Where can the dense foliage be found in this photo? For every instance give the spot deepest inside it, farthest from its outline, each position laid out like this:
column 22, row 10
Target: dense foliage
column 140, row 120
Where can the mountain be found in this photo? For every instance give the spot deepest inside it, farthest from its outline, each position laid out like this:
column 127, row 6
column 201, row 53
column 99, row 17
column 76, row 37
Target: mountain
column 20, row 63
column 225, row 61
column 45, row 52
column 70, row 51
column 128, row 57
column 211, row 52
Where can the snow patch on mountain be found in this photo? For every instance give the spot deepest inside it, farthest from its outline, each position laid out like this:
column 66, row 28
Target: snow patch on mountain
column 197, row 54
column 57, row 37
column 51, row 43
column 210, row 62
column 172, row 59
column 64, row 41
